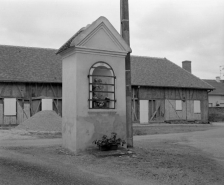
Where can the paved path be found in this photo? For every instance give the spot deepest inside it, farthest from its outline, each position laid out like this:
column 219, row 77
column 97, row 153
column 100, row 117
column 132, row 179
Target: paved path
column 32, row 169
column 210, row 141
column 17, row 168
column 45, row 171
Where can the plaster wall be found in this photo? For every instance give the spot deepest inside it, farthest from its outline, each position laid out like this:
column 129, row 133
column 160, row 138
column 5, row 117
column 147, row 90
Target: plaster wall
column 69, row 88
column 214, row 99
column 81, row 125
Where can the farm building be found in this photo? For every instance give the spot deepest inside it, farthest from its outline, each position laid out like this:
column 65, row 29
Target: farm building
column 31, row 81
column 165, row 92
column 216, row 97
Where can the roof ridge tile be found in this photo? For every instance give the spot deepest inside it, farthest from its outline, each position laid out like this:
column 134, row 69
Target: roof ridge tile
column 27, row 47
column 148, row 57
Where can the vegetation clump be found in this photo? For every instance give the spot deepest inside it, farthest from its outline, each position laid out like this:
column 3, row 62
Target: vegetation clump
column 109, row 143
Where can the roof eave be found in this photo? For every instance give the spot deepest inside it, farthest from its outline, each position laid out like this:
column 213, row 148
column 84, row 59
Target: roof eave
column 174, row 87
column 217, row 94
column 24, row 81
column 63, row 52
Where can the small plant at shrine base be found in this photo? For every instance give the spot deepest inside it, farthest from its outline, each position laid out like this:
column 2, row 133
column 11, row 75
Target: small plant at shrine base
column 109, row 143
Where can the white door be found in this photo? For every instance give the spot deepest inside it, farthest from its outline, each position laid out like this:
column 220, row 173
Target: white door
column 9, row 106
column 144, row 108
column 47, row 104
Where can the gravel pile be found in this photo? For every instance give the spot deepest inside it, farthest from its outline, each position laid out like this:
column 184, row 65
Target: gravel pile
column 42, row 121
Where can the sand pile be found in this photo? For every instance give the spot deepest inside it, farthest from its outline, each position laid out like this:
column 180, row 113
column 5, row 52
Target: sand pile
column 42, row 121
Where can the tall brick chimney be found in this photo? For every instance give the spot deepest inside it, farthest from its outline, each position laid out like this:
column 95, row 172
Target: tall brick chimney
column 186, row 65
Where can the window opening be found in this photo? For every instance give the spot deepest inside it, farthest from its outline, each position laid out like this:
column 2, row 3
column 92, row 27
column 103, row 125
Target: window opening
column 197, row 106
column 178, row 104
column 101, row 86
column 47, row 104
column 221, row 104
column 9, row 106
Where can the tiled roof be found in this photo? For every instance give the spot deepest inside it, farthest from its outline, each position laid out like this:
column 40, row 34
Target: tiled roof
column 160, row 72
column 26, row 64
column 219, row 87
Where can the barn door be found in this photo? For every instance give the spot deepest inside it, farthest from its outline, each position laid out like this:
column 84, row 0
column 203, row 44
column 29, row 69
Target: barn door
column 156, row 110
column 152, row 109
column 174, row 110
column 57, row 106
column 35, row 106
column 144, row 107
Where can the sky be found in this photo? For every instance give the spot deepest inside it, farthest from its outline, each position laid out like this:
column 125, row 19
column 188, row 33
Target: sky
column 175, row 29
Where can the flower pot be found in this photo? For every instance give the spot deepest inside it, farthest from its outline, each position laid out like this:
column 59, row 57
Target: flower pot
column 104, row 148
column 113, row 147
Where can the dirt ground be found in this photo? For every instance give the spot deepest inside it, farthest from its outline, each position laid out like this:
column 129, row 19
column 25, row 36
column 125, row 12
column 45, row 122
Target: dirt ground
column 151, row 161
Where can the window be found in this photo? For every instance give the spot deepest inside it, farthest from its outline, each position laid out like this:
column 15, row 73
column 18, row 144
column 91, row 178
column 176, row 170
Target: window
column 101, row 86
column 9, row 106
column 47, row 104
column 178, row 104
column 197, row 106
column 210, row 105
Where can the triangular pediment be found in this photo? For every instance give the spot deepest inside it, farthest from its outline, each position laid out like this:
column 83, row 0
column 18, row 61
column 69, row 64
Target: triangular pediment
column 100, row 35
column 102, row 38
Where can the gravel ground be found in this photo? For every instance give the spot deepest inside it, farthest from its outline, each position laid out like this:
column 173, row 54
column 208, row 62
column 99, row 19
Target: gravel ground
column 14, row 134
column 47, row 121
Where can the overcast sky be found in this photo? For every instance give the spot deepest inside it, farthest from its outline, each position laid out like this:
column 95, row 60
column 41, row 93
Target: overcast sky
column 176, row 29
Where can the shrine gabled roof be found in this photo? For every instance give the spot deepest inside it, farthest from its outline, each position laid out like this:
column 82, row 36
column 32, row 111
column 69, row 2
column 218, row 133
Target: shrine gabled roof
column 67, row 45
column 87, row 33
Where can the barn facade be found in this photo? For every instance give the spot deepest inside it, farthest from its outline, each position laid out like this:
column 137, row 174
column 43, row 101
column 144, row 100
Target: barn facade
column 165, row 92
column 30, row 81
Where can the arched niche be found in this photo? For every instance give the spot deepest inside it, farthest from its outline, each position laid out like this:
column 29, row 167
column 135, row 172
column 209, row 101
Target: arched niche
column 101, row 86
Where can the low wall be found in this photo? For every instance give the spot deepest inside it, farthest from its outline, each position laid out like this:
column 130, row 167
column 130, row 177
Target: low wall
column 216, row 114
